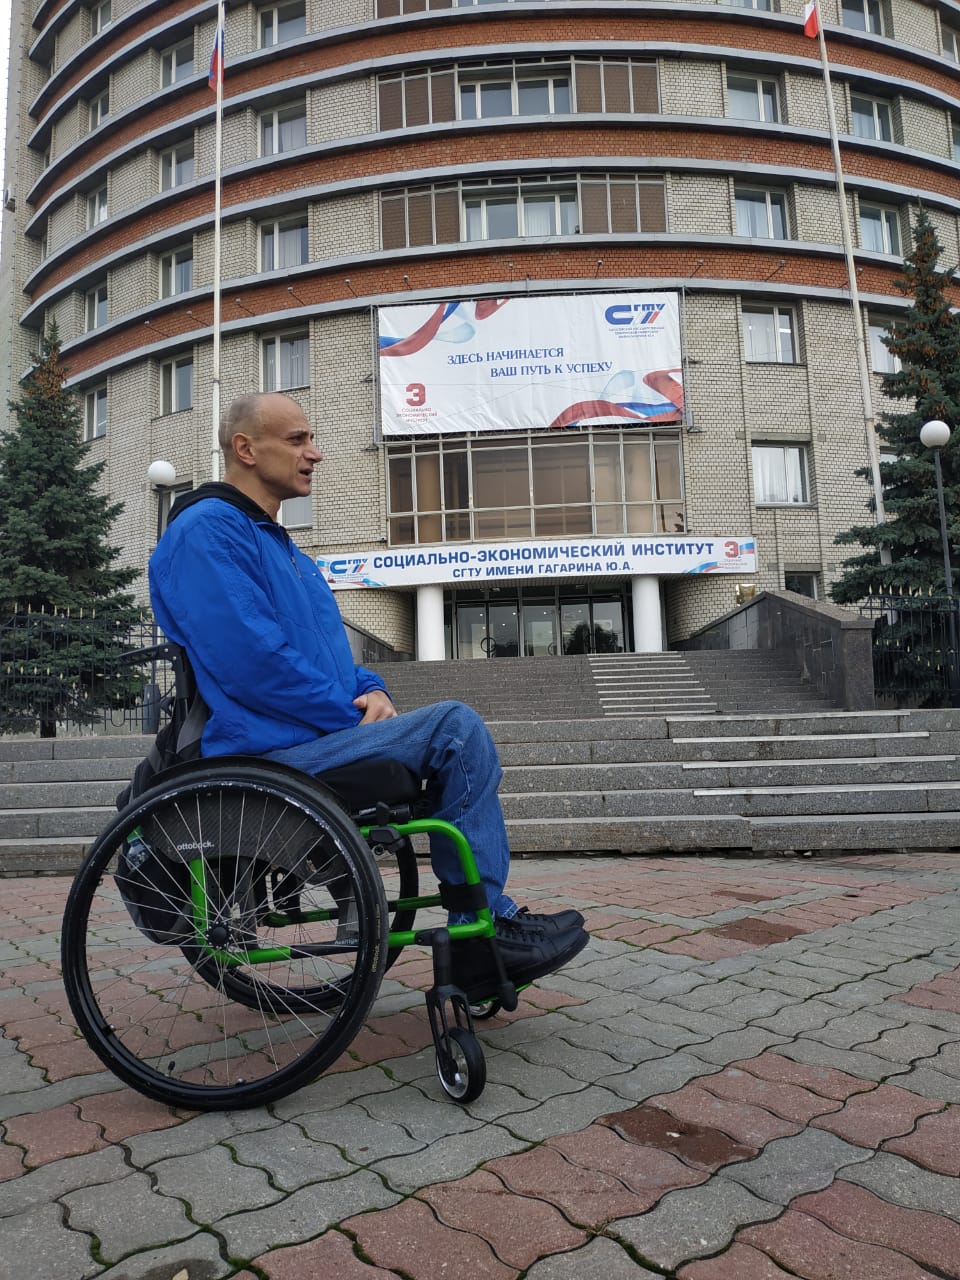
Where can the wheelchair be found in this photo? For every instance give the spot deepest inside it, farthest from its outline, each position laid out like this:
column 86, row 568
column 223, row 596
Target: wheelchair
column 228, row 932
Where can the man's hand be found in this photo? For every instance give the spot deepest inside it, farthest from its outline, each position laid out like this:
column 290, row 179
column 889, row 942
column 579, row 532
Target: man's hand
column 375, row 705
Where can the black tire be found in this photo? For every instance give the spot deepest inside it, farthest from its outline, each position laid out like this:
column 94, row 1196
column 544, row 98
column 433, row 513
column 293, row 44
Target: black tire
column 464, row 1076
column 166, row 1015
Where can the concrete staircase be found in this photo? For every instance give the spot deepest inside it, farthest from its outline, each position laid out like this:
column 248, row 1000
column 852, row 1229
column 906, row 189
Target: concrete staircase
column 639, row 784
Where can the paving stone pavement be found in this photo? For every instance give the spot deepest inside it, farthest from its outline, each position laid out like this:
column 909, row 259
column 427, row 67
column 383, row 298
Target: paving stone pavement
column 752, row 1072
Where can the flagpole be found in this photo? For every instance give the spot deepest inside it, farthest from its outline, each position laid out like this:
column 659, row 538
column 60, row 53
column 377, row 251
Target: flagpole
column 866, row 390
column 218, row 166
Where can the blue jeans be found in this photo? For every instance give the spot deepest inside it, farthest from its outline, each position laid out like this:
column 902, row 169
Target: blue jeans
column 448, row 743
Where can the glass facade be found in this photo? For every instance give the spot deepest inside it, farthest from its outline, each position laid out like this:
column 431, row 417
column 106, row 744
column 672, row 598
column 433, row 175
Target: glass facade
column 527, row 485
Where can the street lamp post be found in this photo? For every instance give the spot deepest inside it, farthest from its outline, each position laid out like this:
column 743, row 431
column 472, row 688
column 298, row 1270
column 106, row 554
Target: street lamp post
column 162, row 475
column 933, row 436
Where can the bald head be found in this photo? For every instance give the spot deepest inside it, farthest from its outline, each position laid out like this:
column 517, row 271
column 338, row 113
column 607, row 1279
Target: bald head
column 268, row 448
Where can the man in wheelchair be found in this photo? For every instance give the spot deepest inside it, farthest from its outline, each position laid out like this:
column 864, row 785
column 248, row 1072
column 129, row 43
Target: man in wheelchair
column 273, row 663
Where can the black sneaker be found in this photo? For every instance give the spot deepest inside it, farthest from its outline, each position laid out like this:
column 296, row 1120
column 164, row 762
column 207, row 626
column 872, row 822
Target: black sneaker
column 529, row 951
column 554, row 922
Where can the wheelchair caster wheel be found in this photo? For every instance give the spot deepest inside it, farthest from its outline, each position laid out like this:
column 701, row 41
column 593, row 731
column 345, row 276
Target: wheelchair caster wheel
column 484, row 1009
column 461, row 1066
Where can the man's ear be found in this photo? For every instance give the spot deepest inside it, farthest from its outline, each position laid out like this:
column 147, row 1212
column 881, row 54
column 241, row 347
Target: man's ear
column 243, row 449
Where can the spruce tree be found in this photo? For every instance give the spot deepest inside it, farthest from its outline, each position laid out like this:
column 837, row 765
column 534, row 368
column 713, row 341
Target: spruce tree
column 64, row 610
column 926, row 340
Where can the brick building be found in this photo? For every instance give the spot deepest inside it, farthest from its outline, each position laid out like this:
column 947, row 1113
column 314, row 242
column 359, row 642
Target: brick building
column 379, row 153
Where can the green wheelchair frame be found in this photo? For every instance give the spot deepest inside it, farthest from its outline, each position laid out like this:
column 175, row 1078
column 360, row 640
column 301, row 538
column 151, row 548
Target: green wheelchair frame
column 276, row 935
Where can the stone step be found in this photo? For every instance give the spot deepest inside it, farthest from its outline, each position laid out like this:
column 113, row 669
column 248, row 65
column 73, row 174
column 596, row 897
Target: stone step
column 760, row 801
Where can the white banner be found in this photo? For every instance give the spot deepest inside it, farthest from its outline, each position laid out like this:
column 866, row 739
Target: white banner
column 499, row 364
column 568, row 558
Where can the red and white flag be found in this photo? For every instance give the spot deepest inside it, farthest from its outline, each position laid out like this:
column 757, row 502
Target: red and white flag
column 216, row 60
column 811, row 20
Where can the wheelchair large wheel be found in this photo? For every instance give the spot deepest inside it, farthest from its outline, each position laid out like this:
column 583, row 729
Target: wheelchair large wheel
column 225, row 937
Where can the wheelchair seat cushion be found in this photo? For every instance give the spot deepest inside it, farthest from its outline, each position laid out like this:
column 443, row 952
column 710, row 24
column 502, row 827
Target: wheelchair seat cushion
column 366, row 782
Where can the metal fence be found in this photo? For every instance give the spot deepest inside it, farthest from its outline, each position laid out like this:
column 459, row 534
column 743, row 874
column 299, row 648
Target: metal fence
column 916, row 655
column 68, row 674
column 63, row 673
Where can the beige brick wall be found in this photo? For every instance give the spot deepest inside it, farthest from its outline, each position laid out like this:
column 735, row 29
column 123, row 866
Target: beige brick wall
column 345, row 225
column 690, row 87
column 913, row 23
column 344, row 110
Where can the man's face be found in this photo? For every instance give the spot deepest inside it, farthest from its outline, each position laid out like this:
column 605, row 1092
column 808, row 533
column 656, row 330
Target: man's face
column 284, row 453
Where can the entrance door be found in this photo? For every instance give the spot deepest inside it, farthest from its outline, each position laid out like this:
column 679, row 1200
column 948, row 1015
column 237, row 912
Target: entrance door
column 488, row 631
column 472, row 630
column 592, row 626
column 539, row 630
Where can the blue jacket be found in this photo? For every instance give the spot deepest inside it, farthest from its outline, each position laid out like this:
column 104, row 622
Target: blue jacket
column 259, row 624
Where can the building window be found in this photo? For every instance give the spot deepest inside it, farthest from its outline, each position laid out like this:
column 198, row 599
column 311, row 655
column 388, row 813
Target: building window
column 97, row 207
column 762, row 215
column 871, row 118
column 296, row 513
column 95, row 413
column 176, row 166
column 555, row 204
column 176, row 63
column 491, row 96
column 283, row 244
column 96, row 307
column 284, row 129
column 779, row 473
column 882, row 359
column 98, row 109
column 605, row 482
column 286, row 361
column 765, row 5
column 768, row 335
column 950, row 39
column 176, row 385
column 955, row 139
column 750, row 98
column 501, row 216
column 880, row 228
column 862, row 15
column 101, row 15
column 804, row 584
column 282, row 22
column 176, row 272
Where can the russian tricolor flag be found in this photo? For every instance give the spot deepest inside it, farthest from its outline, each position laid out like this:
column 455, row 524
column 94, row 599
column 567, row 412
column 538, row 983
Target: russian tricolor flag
column 216, row 60
column 811, row 20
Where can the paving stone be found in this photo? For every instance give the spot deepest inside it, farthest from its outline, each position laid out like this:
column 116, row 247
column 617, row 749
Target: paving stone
column 519, row 1229
column 695, row 1144
column 787, row 1100
column 213, row 1184
column 929, row 1084
column 357, row 1133
column 618, row 1041
column 52, row 1135
column 769, row 979
column 331, row 1255
column 692, row 1223
column 902, row 1182
column 853, row 1211
column 540, row 1084
column 333, row 1091
column 739, row 1262
column 787, row 1167
column 906, row 1044
column 304, row 1214
column 451, row 1157
column 43, row 1248
column 806, row 1247
column 133, row 1216
column 50, row 1181
column 935, row 1143
column 867, row 1119
column 863, row 1065
column 731, row 1045
column 197, row 1258
column 661, row 1075
column 805, row 1015
column 715, row 995
column 561, row 1114
column 825, row 1081
column 195, row 1134
column 599, row 1260
column 858, row 1029
column 583, row 1064
column 392, row 1238
column 855, row 995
